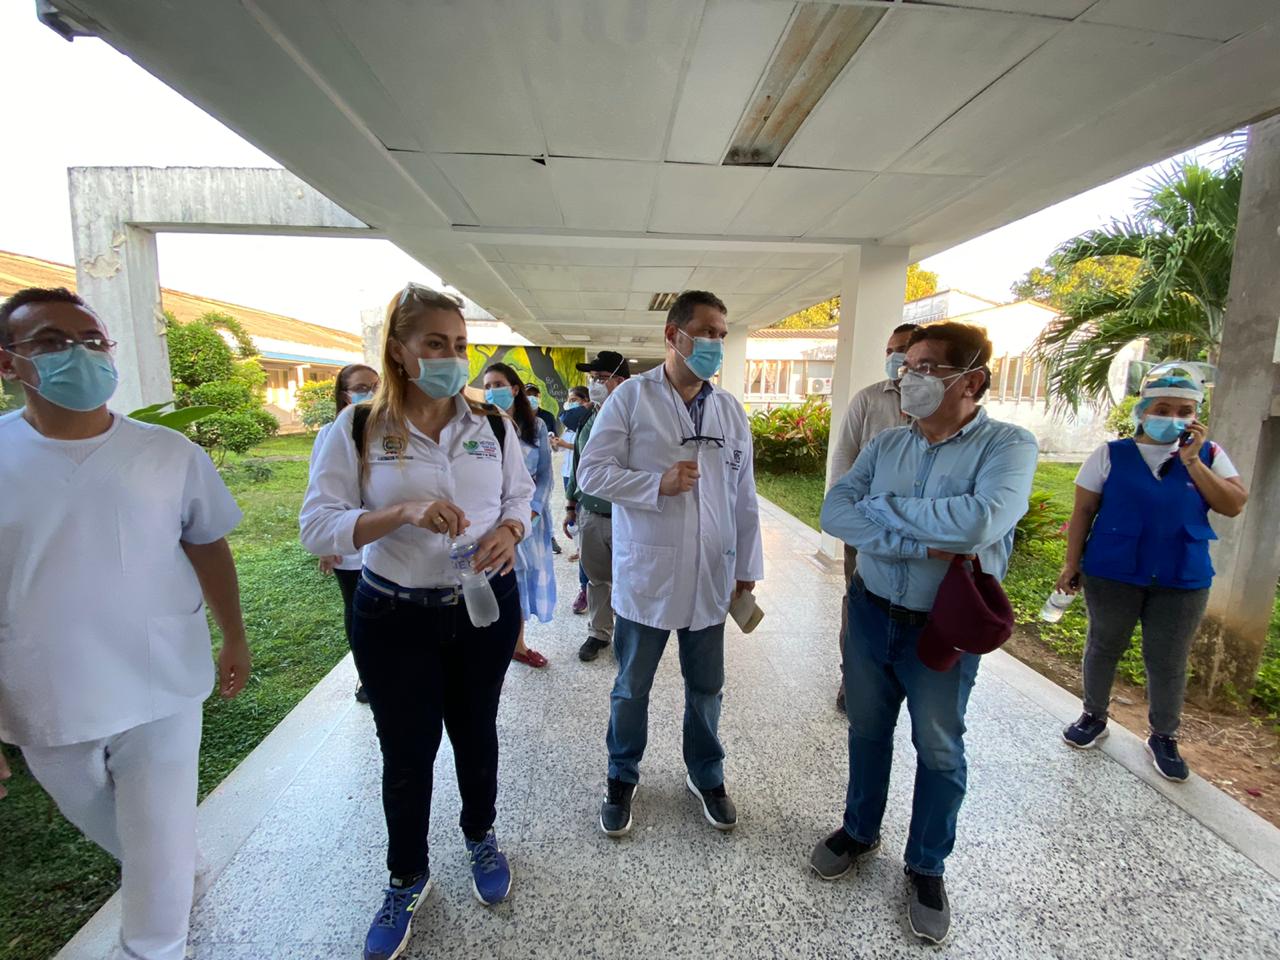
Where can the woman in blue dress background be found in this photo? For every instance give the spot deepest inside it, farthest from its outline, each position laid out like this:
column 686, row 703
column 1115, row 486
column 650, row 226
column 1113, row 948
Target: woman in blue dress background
column 535, row 567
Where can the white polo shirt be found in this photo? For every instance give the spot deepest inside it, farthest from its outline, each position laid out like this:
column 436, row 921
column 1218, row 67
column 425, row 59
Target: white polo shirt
column 465, row 467
column 102, row 622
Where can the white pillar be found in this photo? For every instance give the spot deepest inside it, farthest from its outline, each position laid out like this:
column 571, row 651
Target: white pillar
column 733, row 374
column 875, row 280
column 371, row 322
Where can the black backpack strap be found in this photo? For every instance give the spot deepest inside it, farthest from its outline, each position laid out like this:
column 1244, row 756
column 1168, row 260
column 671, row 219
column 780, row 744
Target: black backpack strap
column 497, row 423
column 359, row 423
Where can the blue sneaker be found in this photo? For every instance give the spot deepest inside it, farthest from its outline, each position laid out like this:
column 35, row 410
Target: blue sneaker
column 490, row 872
column 1166, row 759
column 389, row 934
column 1086, row 732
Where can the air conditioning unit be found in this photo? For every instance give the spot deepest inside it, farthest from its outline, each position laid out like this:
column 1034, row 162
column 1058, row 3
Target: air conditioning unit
column 820, row 385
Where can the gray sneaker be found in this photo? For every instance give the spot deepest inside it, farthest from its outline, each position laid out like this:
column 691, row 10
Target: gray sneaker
column 928, row 910
column 835, row 856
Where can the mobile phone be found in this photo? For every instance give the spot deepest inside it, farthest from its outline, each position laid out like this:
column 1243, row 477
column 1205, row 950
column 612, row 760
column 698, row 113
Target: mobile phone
column 1185, row 438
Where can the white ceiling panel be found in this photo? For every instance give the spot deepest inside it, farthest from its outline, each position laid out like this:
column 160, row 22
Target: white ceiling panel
column 660, row 279
column 603, row 194
column 420, row 51
column 604, row 73
column 891, row 201
column 1212, row 19
column 1063, row 84
column 542, row 276
column 503, row 191
column 913, row 71
column 803, row 261
column 735, row 41
column 1064, row 9
column 604, row 279
column 701, row 199
column 668, row 258
column 604, row 301
column 602, row 316
column 768, row 281
column 640, row 301
column 788, row 202
column 734, row 258
column 557, row 300
column 719, row 280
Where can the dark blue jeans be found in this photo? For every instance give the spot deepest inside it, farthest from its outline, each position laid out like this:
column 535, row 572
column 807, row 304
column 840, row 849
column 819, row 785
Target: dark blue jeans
column 639, row 649
column 881, row 669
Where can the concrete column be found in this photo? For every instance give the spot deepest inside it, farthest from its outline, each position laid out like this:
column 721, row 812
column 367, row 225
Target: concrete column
column 371, row 322
column 1246, row 422
column 118, row 275
column 733, row 375
column 875, row 280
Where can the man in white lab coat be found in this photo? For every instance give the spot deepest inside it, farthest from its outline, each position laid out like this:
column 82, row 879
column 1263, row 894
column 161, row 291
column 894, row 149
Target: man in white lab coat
column 112, row 530
column 672, row 453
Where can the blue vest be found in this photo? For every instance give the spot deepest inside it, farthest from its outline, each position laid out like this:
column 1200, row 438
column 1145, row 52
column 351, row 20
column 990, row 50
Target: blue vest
column 1150, row 531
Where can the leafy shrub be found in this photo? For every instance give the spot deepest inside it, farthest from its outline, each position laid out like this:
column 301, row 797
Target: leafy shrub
column 234, row 432
column 268, row 423
column 792, row 439
column 227, row 395
column 1041, row 522
column 249, row 470
column 198, row 354
column 1120, row 418
column 315, row 404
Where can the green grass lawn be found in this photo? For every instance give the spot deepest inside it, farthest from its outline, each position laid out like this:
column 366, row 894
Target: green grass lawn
column 52, row 878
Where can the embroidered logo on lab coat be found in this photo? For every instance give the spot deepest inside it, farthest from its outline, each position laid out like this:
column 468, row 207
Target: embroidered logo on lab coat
column 735, row 460
column 483, row 449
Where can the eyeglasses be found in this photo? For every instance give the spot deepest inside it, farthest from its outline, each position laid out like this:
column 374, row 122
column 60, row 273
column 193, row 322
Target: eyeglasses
column 926, row 368
column 57, row 342
column 701, row 441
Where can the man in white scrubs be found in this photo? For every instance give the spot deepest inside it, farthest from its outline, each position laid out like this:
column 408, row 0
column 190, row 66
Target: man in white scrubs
column 112, row 531
column 672, row 453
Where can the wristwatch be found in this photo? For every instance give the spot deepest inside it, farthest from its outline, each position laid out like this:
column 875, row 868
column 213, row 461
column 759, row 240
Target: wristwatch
column 516, row 528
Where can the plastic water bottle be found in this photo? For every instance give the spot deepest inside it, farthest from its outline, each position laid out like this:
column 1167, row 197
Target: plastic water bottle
column 477, row 594
column 573, row 531
column 1056, row 606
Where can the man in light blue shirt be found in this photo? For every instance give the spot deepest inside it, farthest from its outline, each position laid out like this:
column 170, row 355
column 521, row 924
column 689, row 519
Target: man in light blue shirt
column 954, row 482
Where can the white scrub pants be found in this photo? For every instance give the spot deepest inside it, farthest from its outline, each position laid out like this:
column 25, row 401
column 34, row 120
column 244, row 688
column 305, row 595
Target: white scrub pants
column 134, row 794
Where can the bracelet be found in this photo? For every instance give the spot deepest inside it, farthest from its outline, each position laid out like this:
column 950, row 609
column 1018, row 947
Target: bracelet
column 516, row 528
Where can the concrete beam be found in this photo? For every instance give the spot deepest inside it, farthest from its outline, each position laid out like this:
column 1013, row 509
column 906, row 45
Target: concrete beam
column 1247, row 555
column 115, row 215
column 875, row 279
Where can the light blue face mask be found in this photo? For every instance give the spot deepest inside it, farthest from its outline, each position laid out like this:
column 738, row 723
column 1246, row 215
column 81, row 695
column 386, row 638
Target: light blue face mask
column 1164, row 429
column 77, row 378
column 442, row 377
column 500, row 397
column 361, row 396
column 893, row 363
column 572, row 404
column 708, row 353
column 535, row 402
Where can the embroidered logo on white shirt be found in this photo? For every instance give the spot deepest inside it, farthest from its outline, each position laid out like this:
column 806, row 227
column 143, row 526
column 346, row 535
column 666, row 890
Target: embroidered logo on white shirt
column 482, row 449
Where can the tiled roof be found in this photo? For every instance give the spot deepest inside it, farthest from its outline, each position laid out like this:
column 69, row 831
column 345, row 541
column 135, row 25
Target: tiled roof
column 18, row 271
column 819, row 333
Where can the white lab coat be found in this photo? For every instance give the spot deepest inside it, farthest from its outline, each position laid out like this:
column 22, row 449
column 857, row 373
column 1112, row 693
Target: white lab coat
column 675, row 559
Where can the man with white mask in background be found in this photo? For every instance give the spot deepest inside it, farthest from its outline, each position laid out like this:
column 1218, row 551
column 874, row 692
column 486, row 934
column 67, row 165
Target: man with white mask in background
column 114, row 534
column 872, row 410
column 673, row 454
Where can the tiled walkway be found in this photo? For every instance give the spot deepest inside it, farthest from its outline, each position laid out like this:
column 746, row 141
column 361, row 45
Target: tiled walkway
column 1060, row 854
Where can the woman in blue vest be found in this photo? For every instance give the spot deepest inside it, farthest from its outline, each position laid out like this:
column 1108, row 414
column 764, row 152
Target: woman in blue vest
column 1140, row 535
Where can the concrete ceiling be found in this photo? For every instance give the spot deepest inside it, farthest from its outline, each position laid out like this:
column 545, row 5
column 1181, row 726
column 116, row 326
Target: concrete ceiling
column 562, row 161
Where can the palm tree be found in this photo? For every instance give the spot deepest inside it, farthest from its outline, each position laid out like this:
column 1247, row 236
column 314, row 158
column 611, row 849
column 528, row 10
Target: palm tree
column 1183, row 236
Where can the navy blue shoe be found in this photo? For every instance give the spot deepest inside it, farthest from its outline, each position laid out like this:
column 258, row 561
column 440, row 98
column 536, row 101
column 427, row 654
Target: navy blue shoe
column 1086, row 732
column 1166, row 759
column 490, row 872
column 389, row 934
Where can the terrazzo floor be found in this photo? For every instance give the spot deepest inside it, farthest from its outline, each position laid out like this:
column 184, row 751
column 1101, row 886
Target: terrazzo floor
column 1060, row 854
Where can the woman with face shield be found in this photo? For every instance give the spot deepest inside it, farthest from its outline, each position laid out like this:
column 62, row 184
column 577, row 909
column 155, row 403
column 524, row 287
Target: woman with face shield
column 1138, row 543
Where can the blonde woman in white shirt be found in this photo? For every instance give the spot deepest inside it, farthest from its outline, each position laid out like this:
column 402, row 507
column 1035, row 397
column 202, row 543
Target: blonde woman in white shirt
column 403, row 477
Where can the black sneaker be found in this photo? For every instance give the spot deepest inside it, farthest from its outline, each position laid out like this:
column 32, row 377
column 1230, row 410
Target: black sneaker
column 1166, row 758
column 835, row 856
column 716, row 805
column 615, row 812
column 928, row 910
column 840, row 700
column 555, row 547
column 1086, row 732
column 591, row 648
column 361, row 696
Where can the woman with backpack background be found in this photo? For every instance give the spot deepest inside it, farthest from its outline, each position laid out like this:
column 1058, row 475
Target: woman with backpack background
column 1138, row 542
column 535, row 567
column 418, row 469
column 355, row 383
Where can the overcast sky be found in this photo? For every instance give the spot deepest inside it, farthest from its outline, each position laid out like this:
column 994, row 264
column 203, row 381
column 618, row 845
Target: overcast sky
column 83, row 104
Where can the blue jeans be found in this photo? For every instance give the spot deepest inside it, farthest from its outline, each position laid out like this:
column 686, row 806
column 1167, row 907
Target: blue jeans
column 880, row 670
column 638, row 649
column 582, row 571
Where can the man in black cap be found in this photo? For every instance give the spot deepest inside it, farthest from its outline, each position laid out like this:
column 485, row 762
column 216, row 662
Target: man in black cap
column 594, row 517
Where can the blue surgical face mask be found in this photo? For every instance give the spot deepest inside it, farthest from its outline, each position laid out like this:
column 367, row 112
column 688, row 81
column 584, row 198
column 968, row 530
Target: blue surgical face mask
column 442, row 377
column 500, row 397
column 893, row 363
column 708, row 353
column 77, row 378
column 535, row 402
column 572, row 404
column 1164, row 429
column 360, row 396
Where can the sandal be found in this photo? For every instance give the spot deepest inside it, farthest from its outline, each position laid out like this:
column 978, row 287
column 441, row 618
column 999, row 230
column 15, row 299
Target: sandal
column 530, row 658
